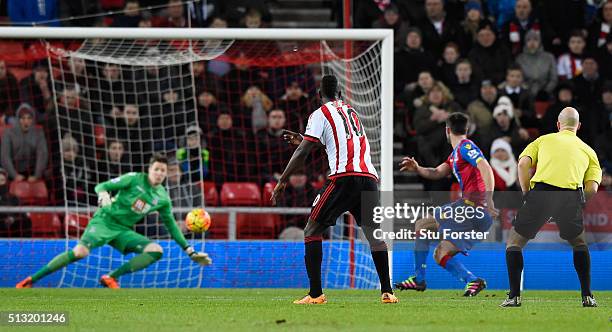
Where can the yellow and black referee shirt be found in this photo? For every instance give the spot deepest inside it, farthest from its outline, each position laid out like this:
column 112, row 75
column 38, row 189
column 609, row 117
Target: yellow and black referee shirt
column 563, row 160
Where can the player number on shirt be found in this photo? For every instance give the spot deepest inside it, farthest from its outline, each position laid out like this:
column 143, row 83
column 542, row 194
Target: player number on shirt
column 353, row 121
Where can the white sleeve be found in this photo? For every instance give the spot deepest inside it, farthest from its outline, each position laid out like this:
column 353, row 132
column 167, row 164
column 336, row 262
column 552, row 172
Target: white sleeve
column 315, row 126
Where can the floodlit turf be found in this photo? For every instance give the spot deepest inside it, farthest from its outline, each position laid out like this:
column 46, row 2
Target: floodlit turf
column 222, row 310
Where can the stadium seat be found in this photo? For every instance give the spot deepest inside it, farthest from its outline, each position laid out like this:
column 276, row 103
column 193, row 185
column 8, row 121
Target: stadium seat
column 540, row 108
column 211, row 195
column 219, row 226
column 47, row 225
column 30, row 193
column 76, row 223
column 268, row 188
column 12, row 52
column 257, row 226
column 240, row 194
column 99, row 133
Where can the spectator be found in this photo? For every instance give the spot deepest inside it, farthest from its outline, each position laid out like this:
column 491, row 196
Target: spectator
column 564, row 97
column 562, row 17
column 273, row 152
column 600, row 112
column 109, row 92
column 501, row 10
column 298, row 105
column 429, row 122
column 446, row 69
column 504, row 163
column 75, row 73
column 74, row 117
column 438, row 29
column 600, row 28
column 506, row 127
column 146, row 19
column 513, row 32
column 604, row 54
column 77, row 175
column 175, row 16
column 204, row 12
column 136, row 132
column 36, row 90
column 481, row 109
column 208, row 109
column 464, row 87
column 115, row 162
column 413, row 96
column 24, row 148
column 539, row 67
column 11, row 224
column 569, row 65
column 31, row 12
column 392, row 20
column 182, row 193
column 193, row 158
column 367, row 12
column 411, row 60
column 9, row 94
column 228, row 153
column 473, row 16
column 489, row 56
column 252, row 19
column 255, row 104
column 173, row 118
column 588, row 83
column 603, row 145
column 299, row 193
column 131, row 16
column 522, row 100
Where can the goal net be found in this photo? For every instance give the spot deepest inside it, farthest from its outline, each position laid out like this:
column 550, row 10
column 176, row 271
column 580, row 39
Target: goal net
column 216, row 106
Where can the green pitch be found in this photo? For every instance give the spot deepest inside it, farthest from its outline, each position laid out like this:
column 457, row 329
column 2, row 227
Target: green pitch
column 222, row 310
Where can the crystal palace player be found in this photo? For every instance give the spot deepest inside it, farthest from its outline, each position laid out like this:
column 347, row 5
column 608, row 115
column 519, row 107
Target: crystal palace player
column 475, row 178
column 336, row 126
column 138, row 194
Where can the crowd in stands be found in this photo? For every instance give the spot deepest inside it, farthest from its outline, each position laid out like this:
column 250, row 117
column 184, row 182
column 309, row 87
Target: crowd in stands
column 512, row 65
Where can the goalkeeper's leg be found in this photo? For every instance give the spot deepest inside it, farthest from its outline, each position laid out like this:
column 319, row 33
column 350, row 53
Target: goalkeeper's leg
column 151, row 254
column 78, row 252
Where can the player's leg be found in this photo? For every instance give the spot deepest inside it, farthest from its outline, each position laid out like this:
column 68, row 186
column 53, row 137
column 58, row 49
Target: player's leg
column 446, row 256
column 129, row 241
column 421, row 251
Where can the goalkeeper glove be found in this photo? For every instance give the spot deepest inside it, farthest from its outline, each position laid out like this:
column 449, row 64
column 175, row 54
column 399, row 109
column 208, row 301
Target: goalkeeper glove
column 198, row 257
column 104, row 199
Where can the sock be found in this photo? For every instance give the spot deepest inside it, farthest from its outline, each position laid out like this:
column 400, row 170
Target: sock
column 454, row 266
column 381, row 261
column 582, row 264
column 136, row 263
column 421, row 250
column 313, row 257
column 514, row 262
column 55, row 264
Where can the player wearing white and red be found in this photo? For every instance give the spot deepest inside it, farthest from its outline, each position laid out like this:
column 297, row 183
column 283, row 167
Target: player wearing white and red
column 336, row 126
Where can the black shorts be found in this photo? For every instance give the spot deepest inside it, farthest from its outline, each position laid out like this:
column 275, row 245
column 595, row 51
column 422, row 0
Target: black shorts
column 544, row 202
column 355, row 194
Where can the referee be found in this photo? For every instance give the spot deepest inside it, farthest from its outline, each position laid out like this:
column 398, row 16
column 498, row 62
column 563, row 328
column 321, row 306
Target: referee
column 566, row 169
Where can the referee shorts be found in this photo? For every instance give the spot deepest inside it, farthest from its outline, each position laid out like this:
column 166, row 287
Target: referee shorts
column 338, row 196
column 546, row 203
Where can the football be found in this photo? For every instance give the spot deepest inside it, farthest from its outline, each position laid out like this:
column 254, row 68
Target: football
column 198, row 221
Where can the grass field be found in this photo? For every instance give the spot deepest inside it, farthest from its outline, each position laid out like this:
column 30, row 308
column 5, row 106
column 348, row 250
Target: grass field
column 223, row 310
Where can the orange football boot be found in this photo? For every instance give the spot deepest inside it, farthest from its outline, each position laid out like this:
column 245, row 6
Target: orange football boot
column 310, row 300
column 388, row 298
column 109, row 282
column 25, row 283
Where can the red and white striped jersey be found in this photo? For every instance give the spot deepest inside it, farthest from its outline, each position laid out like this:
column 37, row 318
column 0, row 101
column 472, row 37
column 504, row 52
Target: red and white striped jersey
column 336, row 125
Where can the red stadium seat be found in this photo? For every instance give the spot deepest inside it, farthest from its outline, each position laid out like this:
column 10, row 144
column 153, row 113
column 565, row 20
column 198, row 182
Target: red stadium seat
column 240, row 194
column 211, row 195
column 268, row 188
column 100, row 135
column 219, row 226
column 540, row 108
column 30, row 193
column 12, row 52
column 76, row 223
column 257, row 226
column 46, row 225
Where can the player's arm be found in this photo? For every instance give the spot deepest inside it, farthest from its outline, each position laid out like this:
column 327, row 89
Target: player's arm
column 528, row 159
column 115, row 184
column 176, row 234
column 296, row 161
column 409, row 164
column 486, row 172
column 592, row 176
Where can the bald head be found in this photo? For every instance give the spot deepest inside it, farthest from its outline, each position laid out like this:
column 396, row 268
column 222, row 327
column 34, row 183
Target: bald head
column 568, row 119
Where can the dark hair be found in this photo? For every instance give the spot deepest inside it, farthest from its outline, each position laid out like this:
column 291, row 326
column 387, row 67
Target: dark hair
column 577, row 33
column 329, row 86
column 458, row 123
column 513, row 67
column 158, row 158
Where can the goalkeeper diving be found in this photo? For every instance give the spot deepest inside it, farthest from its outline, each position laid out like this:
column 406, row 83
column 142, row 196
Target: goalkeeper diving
column 137, row 194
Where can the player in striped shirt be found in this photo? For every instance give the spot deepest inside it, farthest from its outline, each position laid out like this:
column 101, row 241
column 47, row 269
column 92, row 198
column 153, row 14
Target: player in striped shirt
column 336, row 126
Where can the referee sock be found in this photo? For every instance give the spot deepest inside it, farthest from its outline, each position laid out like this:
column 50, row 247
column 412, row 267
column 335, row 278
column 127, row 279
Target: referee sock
column 381, row 261
column 454, row 266
column 421, row 251
column 313, row 257
column 514, row 263
column 55, row 264
column 582, row 264
column 136, row 263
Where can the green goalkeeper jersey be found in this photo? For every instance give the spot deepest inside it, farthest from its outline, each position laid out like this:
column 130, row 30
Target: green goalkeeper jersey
column 135, row 199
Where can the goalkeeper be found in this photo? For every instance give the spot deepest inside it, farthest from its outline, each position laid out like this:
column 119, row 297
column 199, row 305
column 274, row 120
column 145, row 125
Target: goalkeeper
column 138, row 194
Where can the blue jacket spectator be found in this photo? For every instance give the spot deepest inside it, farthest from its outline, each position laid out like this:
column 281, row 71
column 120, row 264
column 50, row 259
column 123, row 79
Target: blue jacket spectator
column 30, row 12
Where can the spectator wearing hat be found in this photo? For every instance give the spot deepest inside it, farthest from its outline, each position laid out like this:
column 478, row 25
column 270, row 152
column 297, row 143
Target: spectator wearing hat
column 24, row 147
column 489, row 55
column 473, row 16
column 539, row 67
column 438, row 28
column 191, row 153
column 505, row 126
column 391, row 19
column 513, row 32
column 481, row 109
column 411, row 60
column 504, row 163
